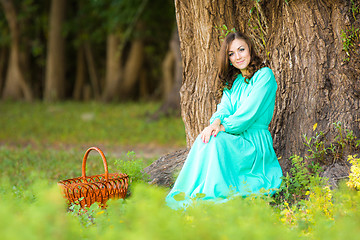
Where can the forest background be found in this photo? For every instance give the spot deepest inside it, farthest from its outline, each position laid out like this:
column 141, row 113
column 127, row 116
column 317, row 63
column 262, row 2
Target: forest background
column 86, row 50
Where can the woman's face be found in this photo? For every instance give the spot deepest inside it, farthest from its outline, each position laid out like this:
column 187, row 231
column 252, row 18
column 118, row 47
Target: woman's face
column 239, row 54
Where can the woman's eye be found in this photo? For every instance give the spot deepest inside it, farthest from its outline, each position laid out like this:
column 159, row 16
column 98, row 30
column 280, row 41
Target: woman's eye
column 241, row 49
column 231, row 54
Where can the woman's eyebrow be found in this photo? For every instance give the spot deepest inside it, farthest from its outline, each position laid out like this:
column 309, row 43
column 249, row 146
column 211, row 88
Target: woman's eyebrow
column 236, row 48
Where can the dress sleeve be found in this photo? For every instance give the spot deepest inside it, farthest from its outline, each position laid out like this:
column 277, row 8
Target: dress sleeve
column 260, row 98
column 223, row 108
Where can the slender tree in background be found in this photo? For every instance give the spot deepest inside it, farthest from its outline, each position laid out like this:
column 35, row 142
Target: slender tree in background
column 3, row 50
column 16, row 87
column 113, row 67
column 172, row 79
column 89, row 34
column 121, row 75
column 3, row 55
column 55, row 63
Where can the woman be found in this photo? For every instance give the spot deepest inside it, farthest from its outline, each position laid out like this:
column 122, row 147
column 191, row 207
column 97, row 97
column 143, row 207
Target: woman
column 234, row 155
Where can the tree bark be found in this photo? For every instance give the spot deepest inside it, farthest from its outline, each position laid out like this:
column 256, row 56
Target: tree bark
column 92, row 71
column 80, row 74
column 132, row 69
column 173, row 71
column 163, row 170
column 113, row 68
column 2, row 67
column 302, row 42
column 143, row 86
column 16, row 87
column 168, row 74
column 55, row 62
column 305, row 52
column 315, row 84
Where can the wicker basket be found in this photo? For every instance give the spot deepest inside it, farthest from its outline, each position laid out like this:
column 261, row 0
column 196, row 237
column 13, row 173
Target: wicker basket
column 86, row 190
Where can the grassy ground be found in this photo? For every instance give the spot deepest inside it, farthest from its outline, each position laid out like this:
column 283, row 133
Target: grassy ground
column 44, row 143
column 49, row 140
column 122, row 127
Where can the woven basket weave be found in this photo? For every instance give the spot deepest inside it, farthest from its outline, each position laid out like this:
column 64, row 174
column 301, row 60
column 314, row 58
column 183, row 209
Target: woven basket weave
column 86, row 190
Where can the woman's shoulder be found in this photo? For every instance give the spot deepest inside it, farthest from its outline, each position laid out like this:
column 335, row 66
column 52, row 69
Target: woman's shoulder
column 264, row 72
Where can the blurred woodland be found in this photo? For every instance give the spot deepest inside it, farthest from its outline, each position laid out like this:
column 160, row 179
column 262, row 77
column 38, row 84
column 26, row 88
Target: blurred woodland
column 108, row 50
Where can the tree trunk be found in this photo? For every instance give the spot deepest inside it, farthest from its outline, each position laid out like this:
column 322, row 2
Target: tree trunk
column 113, row 68
column 199, row 43
column 15, row 85
column 305, row 52
column 55, row 62
column 174, row 72
column 168, row 74
column 2, row 67
column 302, row 42
column 316, row 85
column 80, row 74
column 143, row 85
column 133, row 66
column 92, row 71
column 162, row 171
column 173, row 100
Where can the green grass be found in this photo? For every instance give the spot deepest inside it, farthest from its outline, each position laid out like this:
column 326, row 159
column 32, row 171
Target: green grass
column 23, row 166
column 40, row 213
column 31, row 163
column 73, row 123
column 48, row 140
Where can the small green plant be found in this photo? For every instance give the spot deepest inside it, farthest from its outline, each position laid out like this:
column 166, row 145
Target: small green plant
column 132, row 166
column 354, row 176
column 224, row 31
column 320, row 150
column 351, row 36
column 258, row 25
column 304, row 214
column 316, row 146
column 355, row 9
column 345, row 138
column 295, row 185
column 86, row 215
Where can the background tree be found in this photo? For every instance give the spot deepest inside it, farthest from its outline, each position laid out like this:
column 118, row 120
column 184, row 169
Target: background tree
column 4, row 41
column 172, row 79
column 16, row 86
column 303, row 44
column 134, row 33
column 55, row 63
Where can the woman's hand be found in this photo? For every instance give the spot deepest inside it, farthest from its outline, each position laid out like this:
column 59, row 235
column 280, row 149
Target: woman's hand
column 212, row 129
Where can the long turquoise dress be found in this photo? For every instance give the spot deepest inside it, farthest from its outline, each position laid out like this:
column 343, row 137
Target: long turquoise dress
column 241, row 160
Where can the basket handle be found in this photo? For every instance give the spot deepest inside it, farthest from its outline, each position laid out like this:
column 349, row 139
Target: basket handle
column 103, row 158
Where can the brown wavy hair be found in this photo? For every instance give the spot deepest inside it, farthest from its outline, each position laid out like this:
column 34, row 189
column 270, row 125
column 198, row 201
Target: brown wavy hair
column 228, row 73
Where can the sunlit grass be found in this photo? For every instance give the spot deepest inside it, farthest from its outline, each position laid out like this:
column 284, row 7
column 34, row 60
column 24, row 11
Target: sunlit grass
column 88, row 123
column 23, row 166
column 32, row 162
column 41, row 213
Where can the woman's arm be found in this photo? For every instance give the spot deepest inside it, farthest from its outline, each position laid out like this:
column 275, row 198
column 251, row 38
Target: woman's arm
column 213, row 129
column 260, row 98
column 223, row 109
